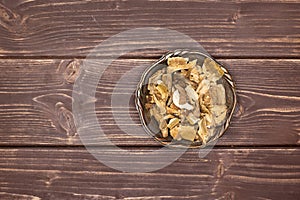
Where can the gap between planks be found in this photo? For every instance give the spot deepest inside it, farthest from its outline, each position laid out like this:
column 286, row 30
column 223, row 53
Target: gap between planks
column 145, row 146
column 286, row 57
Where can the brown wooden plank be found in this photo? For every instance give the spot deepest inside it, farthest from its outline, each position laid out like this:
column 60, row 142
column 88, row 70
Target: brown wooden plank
column 226, row 29
column 73, row 173
column 36, row 96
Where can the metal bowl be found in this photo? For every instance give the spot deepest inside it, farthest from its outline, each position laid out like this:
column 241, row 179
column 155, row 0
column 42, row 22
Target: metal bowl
column 150, row 125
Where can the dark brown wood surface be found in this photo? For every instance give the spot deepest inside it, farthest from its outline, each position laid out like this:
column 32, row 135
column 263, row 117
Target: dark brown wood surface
column 228, row 28
column 72, row 173
column 42, row 47
column 268, row 109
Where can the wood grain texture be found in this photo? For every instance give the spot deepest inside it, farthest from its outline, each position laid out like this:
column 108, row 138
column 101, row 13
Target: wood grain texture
column 73, row 173
column 36, row 96
column 42, row 44
column 226, row 29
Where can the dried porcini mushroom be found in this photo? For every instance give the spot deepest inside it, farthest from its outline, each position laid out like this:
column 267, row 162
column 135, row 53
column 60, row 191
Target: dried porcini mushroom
column 188, row 99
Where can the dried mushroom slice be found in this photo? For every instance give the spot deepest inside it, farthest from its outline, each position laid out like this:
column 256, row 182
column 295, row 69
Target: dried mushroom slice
column 187, row 132
column 203, row 132
column 212, row 69
column 162, row 92
column 217, row 94
column 192, row 119
column 173, row 122
column 167, row 80
column 176, row 100
column 160, row 104
column 175, row 61
column 174, row 133
column 195, row 75
column 203, row 87
column 190, row 92
column 155, row 77
column 219, row 112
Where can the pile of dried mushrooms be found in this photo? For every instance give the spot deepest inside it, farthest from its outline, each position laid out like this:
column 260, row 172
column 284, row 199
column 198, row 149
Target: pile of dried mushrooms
column 186, row 99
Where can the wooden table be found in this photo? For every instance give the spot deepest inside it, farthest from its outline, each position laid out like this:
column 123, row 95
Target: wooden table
column 42, row 46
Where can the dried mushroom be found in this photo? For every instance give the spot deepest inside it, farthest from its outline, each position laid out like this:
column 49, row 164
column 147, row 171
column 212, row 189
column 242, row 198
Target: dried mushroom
column 187, row 100
column 173, row 122
column 187, row 132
